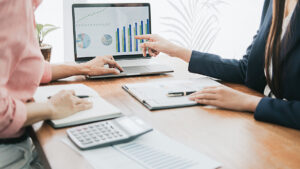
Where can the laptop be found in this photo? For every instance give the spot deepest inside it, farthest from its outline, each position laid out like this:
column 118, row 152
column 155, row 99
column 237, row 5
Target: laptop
column 109, row 29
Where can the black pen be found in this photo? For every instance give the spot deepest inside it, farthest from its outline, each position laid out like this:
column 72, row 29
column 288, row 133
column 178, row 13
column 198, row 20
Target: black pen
column 79, row 96
column 179, row 94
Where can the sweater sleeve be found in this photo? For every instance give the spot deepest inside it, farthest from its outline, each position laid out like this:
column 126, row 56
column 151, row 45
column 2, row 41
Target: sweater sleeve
column 277, row 111
column 12, row 115
column 47, row 75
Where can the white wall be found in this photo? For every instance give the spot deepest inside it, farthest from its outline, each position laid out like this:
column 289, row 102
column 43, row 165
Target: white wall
column 237, row 22
column 51, row 12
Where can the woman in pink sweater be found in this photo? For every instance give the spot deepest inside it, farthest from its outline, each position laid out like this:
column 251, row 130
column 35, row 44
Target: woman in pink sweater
column 22, row 70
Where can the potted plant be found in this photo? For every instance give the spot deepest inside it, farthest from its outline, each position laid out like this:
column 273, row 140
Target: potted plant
column 42, row 31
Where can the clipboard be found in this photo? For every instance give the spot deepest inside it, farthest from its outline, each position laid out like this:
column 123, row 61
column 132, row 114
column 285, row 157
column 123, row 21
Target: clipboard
column 154, row 95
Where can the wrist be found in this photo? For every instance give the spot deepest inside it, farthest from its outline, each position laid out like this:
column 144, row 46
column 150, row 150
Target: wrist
column 182, row 53
column 49, row 109
column 251, row 103
column 37, row 112
column 81, row 69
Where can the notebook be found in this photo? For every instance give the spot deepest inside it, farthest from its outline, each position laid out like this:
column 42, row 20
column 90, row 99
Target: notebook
column 101, row 110
column 153, row 95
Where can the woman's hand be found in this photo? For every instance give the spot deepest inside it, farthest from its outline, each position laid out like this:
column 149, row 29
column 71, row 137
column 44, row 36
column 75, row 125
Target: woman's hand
column 227, row 98
column 97, row 66
column 156, row 44
column 65, row 103
column 93, row 68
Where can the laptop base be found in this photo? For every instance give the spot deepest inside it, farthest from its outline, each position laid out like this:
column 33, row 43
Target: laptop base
column 138, row 71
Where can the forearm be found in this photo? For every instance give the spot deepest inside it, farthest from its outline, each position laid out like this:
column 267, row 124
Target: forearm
column 67, row 70
column 182, row 53
column 37, row 112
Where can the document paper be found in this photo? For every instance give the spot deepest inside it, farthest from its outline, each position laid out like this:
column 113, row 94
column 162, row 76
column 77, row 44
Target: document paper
column 151, row 151
column 154, row 94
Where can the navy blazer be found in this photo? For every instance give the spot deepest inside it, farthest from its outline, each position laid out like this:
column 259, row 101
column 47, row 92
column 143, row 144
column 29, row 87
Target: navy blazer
column 250, row 71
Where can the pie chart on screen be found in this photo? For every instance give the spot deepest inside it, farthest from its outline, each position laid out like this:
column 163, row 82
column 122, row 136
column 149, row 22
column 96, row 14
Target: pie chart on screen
column 83, row 40
column 106, row 40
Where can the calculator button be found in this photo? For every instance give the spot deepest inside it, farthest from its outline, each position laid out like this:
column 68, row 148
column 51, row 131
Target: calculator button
column 96, row 134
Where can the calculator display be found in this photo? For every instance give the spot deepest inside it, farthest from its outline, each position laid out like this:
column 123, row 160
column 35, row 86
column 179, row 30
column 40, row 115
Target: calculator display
column 130, row 126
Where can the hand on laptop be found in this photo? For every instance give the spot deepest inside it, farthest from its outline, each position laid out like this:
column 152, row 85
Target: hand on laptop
column 97, row 67
column 157, row 44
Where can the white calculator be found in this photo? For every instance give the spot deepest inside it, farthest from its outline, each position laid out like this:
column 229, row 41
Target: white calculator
column 108, row 133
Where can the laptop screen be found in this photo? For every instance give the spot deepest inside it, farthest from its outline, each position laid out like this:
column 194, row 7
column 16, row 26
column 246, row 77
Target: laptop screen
column 109, row 29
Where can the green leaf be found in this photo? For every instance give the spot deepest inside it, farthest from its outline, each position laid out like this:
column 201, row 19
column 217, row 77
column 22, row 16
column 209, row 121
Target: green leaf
column 48, row 31
column 43, row 30
column 49, row 25
column 39, row 28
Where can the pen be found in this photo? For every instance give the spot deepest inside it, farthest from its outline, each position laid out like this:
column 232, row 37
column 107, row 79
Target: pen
column 179, row 94
column 79, row 96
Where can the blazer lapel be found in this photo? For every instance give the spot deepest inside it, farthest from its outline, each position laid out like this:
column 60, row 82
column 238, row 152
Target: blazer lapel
column 290, row 41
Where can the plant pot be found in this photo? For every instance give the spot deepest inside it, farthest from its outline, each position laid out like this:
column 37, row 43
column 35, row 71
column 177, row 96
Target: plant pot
column 46, row 51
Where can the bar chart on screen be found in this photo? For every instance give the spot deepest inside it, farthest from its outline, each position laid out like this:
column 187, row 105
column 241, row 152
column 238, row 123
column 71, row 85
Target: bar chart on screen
column 110, row 30
column 125, row 41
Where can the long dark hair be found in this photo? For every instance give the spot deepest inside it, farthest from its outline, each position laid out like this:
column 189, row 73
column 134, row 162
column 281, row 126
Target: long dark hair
column 273, row 48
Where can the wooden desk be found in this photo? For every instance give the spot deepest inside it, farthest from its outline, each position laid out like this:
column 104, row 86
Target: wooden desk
column 233, row 138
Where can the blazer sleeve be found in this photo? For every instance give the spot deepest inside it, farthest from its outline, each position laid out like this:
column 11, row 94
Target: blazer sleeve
column 285, row 113
column 230, row 70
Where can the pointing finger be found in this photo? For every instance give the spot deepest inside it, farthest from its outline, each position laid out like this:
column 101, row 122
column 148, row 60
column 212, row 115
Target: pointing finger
column 146, row 37
column 151, row 45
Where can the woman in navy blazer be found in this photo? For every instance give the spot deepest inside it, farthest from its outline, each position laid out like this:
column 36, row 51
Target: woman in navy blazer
column 271, row 60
